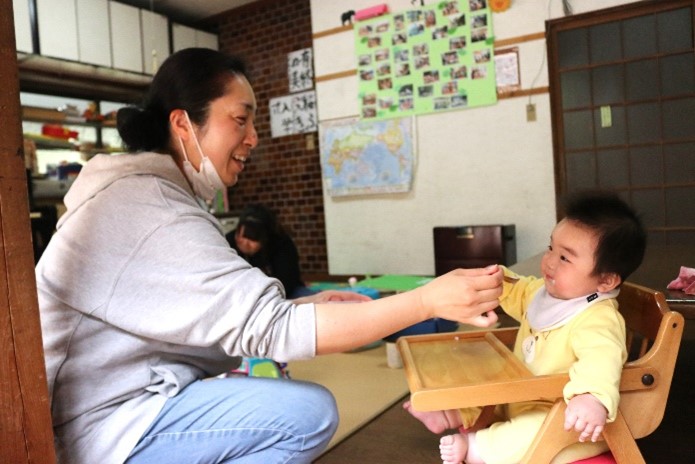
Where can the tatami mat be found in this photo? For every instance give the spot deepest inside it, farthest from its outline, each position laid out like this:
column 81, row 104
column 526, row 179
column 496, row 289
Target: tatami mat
column 363, row 385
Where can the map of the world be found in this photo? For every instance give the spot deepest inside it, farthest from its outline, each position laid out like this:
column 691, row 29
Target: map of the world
column 367, row 157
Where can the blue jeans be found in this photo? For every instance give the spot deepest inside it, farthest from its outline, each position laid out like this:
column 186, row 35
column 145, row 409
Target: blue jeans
column 241, row 420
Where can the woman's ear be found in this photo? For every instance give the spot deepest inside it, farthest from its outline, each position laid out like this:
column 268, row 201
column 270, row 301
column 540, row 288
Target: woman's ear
column 608, row 281
column 179, row 124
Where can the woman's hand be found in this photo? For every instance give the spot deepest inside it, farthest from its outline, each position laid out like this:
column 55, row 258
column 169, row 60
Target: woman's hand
column 464, row 295
column 332, row 296
column 469, row 296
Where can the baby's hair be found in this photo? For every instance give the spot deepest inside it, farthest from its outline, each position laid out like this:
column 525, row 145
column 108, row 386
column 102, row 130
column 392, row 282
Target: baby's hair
column 622, row 238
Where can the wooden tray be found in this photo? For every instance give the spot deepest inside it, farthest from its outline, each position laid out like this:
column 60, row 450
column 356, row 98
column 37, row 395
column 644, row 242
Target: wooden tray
column 465, row 369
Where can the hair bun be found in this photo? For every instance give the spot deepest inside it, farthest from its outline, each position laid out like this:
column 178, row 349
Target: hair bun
column 140, row 129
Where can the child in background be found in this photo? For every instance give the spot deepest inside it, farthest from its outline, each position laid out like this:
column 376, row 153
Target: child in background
column 569, row 323
column 261, row 240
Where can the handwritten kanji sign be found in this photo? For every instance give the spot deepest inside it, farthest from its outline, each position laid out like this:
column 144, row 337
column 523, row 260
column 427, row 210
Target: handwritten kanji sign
column 293, row 114
column 300, row 70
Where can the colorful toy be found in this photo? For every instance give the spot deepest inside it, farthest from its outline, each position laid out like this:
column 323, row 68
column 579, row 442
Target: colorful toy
column 261, row 367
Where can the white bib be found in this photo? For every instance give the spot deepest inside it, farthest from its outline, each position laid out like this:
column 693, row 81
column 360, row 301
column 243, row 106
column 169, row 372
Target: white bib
column 546, row 312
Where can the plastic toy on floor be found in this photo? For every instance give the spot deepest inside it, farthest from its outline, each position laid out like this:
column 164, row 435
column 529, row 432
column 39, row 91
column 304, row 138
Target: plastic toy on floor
column 261, row 367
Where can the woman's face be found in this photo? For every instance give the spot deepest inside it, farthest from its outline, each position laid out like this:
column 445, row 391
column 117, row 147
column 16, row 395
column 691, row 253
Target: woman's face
column 245, row 245
column 229, row 133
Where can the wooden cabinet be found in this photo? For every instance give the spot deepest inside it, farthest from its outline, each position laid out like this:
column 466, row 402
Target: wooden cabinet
column 104, row 33
column 94, row 40
column 57, row 23
column 126, row 37
column 473, row 246
column 22, row 26
column 185, row 37
column 207, row 40
column 155, row 40
column 182, row 37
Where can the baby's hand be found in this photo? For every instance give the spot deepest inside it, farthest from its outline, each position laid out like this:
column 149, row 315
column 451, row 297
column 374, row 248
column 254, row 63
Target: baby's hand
column 585, row 414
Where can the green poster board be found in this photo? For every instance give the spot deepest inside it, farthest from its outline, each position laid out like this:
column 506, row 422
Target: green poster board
column 435, row 58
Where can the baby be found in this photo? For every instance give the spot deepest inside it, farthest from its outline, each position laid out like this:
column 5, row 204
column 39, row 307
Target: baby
column 569, row 322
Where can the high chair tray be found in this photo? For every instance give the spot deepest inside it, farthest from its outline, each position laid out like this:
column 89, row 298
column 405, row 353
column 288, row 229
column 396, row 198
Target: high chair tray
column 466, row 369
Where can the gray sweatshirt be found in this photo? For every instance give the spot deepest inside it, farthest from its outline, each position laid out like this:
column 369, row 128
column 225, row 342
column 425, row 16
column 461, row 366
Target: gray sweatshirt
column 140, row 295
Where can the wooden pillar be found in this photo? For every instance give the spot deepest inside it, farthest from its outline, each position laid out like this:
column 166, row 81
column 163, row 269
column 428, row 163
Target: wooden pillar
column 26, row 435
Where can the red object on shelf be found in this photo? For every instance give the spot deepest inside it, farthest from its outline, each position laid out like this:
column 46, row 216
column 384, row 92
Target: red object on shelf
column 60, row 132
column 372, row 11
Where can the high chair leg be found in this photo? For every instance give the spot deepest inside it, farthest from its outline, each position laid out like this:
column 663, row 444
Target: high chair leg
column 551, row 438
column 621, row 443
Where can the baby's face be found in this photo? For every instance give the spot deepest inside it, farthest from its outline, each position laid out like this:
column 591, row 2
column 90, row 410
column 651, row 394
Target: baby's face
column 568, row 264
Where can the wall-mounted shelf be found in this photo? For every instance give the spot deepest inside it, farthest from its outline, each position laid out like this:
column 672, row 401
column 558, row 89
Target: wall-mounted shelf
column 40, row 74
column 51, row 143
column 47, row 115
column 52, row 116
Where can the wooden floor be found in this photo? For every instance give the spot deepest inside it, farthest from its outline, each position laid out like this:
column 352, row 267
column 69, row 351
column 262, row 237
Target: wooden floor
column 396, row 437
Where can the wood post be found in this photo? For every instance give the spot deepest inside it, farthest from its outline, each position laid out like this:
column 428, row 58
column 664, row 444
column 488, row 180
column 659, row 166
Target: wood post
column 26, row 434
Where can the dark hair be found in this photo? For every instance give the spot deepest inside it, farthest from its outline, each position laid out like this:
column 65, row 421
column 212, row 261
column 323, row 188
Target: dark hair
column 260, row 224
column 622, row 238
column 189, row 79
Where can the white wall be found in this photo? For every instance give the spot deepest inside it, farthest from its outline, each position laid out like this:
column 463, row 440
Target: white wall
column 484, row 165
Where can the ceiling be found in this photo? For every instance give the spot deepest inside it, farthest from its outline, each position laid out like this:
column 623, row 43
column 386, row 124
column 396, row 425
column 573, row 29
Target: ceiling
column 188, row 11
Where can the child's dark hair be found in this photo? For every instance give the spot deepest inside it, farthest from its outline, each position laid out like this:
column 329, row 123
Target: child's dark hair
column 622, row 238
column 189, row 79
column 260, row 224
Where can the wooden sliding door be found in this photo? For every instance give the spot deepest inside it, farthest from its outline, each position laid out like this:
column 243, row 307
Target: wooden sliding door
column 622, row 91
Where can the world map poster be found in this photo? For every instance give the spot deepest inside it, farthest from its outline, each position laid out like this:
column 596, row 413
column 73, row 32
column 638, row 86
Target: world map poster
column 435, row 58
column 367, row 157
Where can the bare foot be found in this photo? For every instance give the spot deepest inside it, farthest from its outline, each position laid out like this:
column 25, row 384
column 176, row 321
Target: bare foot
column 436, row 421
column 453, row 448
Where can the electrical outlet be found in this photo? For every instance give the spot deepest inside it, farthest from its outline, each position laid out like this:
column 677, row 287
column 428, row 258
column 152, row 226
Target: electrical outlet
column 531, row 112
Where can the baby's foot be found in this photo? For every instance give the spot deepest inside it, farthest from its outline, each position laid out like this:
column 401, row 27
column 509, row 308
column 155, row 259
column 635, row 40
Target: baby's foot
column 453, row 448
column 435, row 421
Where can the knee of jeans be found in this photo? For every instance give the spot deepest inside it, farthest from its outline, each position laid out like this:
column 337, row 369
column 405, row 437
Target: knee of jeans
column 320, row 429
column 325, row 411
column 327, row 404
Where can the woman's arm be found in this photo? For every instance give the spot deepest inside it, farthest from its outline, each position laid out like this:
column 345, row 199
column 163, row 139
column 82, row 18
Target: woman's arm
column 464, row 295
column 332, row 296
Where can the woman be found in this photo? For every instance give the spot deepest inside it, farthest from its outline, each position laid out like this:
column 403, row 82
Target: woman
column 261, row 240
column 141, row 296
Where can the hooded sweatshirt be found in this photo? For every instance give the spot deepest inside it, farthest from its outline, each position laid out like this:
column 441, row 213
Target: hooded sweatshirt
column 140, row 295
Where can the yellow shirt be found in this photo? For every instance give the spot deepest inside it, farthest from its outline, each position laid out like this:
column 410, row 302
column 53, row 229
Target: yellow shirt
column 590, row 347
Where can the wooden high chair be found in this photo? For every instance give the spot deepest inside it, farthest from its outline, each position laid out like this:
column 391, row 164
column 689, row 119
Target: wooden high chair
column 466, row 369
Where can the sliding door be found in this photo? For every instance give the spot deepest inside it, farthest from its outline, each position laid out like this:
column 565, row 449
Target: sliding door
column 622, row 90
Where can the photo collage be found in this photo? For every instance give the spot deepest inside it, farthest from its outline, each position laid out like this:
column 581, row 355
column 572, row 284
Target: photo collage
column 431, row 59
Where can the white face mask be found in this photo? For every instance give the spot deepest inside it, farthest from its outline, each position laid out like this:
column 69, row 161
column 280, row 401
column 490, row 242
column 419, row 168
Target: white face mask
column 205, row 182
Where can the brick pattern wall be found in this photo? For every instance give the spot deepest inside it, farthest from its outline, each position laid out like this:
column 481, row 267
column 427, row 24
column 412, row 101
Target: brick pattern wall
column 284, row 172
